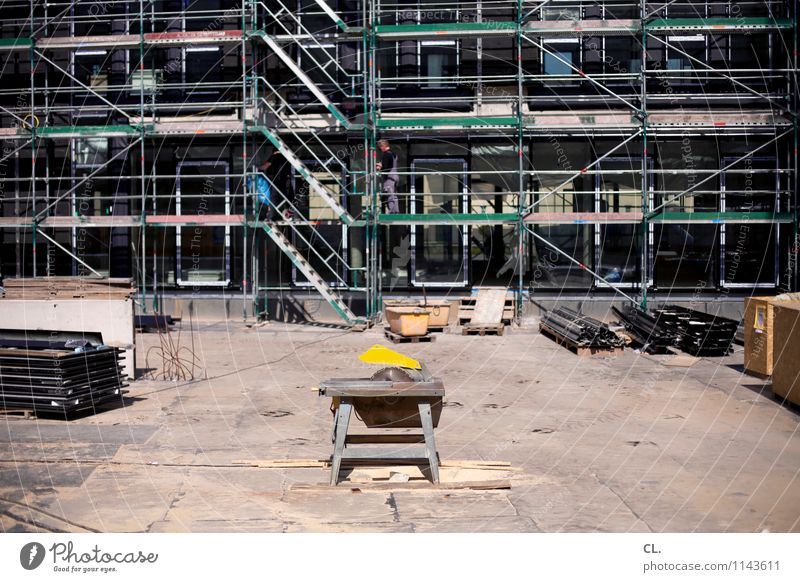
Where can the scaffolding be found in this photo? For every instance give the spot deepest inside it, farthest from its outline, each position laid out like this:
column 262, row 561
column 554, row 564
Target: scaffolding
column 137, row 128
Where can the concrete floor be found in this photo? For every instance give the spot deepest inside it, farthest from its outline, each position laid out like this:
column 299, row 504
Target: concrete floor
column 602, row 444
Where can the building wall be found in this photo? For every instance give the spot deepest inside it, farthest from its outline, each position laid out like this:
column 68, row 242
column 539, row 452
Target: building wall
column 563, row 133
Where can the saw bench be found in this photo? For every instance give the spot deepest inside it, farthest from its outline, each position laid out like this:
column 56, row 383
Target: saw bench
column 397, row 397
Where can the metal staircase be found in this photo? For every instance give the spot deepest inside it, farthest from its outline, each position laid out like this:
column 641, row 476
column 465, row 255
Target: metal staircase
column 299, row 50
column 305, row 79
column 311, row 274
column 301, row 168
column 292, row 32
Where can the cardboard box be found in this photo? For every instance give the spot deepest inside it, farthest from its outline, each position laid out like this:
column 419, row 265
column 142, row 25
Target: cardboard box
column 759, row 316
column 758, row 339
column 786, row 343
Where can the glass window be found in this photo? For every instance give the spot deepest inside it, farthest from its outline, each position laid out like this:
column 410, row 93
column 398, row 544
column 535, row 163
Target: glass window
column 686, row 255
column 550, row 268
column 749, row 254
column 438, row 62
column 620, row 253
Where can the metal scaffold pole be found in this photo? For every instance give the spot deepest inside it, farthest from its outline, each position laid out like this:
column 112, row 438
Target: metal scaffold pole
column 521, row 200
column 644, row 254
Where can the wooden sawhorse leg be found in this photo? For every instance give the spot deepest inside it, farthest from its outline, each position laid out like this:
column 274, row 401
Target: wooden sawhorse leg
column 342, row 421
column 426, row 419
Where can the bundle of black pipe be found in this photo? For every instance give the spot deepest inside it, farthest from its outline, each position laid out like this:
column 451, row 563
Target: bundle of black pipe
column 580, row 329
column 646, row 330
column 699, row 333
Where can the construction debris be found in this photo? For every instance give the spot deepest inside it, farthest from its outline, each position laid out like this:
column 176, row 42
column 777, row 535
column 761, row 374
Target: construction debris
column 62, row 380
column 699, row 334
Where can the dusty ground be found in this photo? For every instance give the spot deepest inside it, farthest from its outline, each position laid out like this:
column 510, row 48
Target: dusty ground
column 602, row 444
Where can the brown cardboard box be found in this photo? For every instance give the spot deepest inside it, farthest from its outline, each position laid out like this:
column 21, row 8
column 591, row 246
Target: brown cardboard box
column 758, row 338
column 786, row 343
column 758, row 332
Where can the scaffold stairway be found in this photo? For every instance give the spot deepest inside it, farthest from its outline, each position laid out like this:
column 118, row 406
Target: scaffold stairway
column 302, row 169
column 305, row 79
column 299, row 261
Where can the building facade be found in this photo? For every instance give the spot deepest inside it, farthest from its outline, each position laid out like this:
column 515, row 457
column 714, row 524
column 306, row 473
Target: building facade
column 616, row 147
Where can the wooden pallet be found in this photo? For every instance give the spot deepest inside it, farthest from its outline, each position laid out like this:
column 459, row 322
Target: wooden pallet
column 467, row 309
column 579, row 350
column 483, row 329
column 25, row 413
column 396, row 338
column 361, row 327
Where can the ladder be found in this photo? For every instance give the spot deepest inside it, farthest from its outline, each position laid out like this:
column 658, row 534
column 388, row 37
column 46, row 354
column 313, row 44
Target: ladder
column 311, row 274
column 302, row 169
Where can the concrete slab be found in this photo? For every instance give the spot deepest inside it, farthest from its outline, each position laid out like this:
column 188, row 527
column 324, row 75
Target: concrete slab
column 601, row 444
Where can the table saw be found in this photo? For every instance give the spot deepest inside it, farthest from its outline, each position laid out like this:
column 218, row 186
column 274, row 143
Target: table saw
column 401, row 395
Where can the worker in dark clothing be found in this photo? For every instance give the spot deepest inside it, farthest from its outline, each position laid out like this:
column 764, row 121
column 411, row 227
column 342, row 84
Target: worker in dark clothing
column 388, row 169
column 278, row 172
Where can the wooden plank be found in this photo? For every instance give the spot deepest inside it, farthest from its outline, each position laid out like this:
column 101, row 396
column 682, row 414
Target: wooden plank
column 324, row 463
column 489, row 306
column 389, row 486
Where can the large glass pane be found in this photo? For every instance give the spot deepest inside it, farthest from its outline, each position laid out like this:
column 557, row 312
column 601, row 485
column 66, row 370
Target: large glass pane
column 204, row 251
column 550, row 268
column 619, row 253
column 440, row 189
column 686, row 255
column 749, row 254
column 620, row 190
column 750, row 185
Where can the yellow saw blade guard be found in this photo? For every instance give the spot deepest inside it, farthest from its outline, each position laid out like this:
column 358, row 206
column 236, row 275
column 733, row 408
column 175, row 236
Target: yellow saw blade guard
column 384, row 356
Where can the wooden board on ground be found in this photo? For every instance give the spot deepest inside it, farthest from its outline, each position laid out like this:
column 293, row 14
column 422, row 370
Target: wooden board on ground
column 680, row 361
column 23, row 412
column 389, row 486
column 396, row 338
column 577, row 349
column 398, row 477
column 324, row 463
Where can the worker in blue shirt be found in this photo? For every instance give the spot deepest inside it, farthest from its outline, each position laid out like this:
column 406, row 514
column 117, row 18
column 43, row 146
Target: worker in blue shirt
column 262, row 192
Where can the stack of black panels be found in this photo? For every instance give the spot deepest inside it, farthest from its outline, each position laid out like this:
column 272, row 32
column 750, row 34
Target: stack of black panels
column 580, row 329
column 60, row 380
column 699, row 334
column 646, row 330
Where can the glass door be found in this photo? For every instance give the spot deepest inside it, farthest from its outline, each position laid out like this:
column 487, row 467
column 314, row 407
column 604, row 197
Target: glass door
column 438, row 256
column 203, row 253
